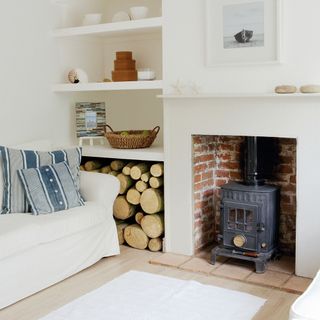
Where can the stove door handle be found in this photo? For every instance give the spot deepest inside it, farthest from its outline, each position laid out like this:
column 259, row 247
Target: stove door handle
column 261, row 227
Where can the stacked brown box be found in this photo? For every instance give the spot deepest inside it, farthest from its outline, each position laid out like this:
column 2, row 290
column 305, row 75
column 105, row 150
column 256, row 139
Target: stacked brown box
column 124, row 67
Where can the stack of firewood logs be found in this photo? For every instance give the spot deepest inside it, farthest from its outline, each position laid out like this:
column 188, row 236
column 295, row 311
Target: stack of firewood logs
column 138, row 209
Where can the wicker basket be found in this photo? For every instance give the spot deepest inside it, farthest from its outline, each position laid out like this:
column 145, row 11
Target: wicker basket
column 135, row 139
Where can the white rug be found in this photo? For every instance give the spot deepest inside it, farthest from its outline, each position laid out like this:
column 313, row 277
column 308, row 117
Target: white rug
column 143, row 296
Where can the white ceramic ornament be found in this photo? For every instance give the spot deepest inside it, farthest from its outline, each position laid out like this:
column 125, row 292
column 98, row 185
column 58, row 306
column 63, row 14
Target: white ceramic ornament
column 78, row 76
column 92, row 19
column 137, row 13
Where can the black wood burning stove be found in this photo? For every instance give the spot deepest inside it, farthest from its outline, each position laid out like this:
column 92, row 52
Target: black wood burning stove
column 249, row 211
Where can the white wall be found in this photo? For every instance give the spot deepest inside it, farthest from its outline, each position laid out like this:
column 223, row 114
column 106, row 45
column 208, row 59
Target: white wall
column 28, row 67
column 184, row 50
column 31, row 61
column 184, row 58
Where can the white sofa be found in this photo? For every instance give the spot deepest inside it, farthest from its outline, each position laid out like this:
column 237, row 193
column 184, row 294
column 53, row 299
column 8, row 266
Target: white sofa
column 39, row 251
column 307, row 306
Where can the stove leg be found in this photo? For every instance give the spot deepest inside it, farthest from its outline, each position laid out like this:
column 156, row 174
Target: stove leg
column 213, row 257
column 260, row 266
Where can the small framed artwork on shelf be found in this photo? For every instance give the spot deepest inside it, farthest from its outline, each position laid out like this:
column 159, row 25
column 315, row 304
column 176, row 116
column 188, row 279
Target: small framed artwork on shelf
column 243, row 32
column 90, row 119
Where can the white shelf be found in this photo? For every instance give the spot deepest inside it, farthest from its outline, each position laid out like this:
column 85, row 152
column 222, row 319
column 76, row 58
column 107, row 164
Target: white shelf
column 108, row 86
column 112, row 29
column 154, row 153
column 239, row 95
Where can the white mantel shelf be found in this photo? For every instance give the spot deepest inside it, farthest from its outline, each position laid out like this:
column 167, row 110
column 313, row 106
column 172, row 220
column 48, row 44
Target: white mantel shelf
column 154, row 153
column 240, row 96
column 112, row 29
column 108, row 86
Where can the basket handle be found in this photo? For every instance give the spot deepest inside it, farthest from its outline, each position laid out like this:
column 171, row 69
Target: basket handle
column 105, row 128
column 156, row 130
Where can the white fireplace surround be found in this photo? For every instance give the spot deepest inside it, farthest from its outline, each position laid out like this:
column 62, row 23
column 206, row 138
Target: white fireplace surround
column 294, row 116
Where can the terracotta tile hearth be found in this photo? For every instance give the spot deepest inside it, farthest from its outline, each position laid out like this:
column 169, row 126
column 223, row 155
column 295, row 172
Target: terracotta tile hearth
column 297, row 284
column 233, row 271
column 269, row 278
column 172, row 260
column 279, row 273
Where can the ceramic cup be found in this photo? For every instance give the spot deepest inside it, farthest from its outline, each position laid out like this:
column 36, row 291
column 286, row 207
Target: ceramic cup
column 91, row 19
column 137, row 13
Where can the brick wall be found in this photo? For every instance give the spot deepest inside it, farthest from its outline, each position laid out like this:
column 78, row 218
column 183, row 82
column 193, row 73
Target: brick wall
column 216, row 161
column 285, row 178
column 204, row 213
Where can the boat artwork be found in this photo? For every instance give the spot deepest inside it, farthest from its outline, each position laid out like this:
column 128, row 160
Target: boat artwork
column 244, row 36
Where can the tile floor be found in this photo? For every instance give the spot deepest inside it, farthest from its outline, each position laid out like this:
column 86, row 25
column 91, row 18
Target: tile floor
column 279, row 274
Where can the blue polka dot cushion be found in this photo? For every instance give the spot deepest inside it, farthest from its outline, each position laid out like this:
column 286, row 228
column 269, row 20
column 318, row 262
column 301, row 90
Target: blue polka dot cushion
column 50, row 188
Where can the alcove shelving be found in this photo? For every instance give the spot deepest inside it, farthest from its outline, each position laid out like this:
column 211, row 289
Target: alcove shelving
column 129, row 104
column 108, row 86
column 154, row 153
column 131, row 27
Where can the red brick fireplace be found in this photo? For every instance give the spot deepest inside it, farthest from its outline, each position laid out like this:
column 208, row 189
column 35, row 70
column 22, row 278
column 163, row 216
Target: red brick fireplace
column 216, row 160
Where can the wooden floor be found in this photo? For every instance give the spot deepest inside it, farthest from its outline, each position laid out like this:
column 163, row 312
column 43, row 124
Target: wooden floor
column 40, row 304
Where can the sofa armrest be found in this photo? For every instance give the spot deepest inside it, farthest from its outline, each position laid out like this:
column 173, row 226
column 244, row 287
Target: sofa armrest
column 97, row 187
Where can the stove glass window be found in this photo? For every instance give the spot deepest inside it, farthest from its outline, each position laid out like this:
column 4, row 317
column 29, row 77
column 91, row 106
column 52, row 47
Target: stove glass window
column 249, row 220
column 241, row 219
column 232, row 219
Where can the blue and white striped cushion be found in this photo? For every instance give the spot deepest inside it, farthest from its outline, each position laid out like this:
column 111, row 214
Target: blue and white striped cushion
column 50, row 188
column 14, row 199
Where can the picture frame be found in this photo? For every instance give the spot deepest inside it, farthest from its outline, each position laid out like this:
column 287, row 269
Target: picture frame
column 243, row 32
column 90, row 119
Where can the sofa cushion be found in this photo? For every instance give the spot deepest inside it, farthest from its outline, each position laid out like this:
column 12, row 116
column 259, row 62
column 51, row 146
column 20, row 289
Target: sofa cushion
column 67, row 222
column 14, row 200
column 1, row 183
column 18, row 232
column 50, row 188
column 40, row 145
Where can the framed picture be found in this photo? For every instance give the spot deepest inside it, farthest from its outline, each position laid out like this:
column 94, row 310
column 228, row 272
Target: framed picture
column 243, row 32
column 90, row 119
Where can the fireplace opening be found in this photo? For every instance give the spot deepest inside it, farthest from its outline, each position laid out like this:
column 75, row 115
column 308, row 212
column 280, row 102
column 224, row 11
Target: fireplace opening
column 233, row 167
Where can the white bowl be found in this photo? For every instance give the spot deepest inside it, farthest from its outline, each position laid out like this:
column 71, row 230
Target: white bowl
column 137, row 13
column 146, row 74
column 91, row 19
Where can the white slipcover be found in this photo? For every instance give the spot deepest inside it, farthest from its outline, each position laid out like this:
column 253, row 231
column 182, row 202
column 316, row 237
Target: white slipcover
column 39, row 251
column 307, row 306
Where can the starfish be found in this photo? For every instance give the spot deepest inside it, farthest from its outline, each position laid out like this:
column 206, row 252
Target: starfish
column 195, row 88
column 178, row 87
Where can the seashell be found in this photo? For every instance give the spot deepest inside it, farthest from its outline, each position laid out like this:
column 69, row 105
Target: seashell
column 285, row 89
column 78, row 76
column 311, row 88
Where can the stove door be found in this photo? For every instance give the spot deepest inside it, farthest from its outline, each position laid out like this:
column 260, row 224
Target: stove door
column 240, row 225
